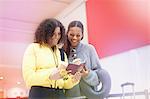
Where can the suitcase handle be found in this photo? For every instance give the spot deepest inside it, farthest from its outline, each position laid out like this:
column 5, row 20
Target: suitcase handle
column 127, row 83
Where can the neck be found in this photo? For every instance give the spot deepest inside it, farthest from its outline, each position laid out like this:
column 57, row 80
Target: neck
column 53, row 47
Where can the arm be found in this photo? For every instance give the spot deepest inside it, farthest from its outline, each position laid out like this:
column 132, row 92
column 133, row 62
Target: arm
column 30, row 73
column 69, row 80
column 92, row 78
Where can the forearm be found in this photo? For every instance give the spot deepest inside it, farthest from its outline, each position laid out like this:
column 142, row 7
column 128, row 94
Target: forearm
column 91, row 78
column 69, row 82
column 36, row 78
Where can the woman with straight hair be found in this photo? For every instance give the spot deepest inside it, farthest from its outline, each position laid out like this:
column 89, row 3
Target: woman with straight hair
column 92, row 74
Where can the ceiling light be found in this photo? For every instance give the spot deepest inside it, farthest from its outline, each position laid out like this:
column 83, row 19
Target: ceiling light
column 18, row 82
column 1, row 77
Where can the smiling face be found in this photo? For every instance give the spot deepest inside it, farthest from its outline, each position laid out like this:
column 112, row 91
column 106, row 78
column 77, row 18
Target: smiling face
column 74, row 36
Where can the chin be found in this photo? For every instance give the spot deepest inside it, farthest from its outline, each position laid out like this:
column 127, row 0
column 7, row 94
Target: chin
column 74, row 45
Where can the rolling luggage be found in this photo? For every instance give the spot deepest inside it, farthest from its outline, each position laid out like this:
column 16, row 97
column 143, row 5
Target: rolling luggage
column 129, row 94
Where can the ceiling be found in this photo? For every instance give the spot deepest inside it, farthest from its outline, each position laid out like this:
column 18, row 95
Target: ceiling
column 31, row 10
column 18, row 19
column 19, row 16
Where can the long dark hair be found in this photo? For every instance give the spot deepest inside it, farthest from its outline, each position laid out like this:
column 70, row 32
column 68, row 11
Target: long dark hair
column 67, row 43
column 46, row 29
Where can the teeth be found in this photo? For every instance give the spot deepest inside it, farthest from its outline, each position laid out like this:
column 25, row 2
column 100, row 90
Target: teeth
column 73, row 41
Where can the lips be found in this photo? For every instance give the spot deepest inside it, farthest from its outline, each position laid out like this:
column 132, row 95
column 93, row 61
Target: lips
column 74, row 41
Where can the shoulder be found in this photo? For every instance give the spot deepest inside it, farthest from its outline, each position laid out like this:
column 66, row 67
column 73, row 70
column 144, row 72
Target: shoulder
column 87, row 46
column 33, row 46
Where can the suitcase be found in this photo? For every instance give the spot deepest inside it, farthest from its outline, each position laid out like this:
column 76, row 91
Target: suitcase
column 124, row 94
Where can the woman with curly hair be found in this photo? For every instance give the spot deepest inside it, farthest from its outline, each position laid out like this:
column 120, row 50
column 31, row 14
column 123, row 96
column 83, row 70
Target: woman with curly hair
column 43, row 70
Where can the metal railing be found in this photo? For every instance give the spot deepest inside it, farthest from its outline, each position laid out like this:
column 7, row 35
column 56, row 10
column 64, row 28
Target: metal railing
column 145, row 93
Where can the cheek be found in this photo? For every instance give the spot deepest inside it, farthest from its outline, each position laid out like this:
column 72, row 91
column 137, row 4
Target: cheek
column 59, row 36
column 69, row 39
column 79, row 39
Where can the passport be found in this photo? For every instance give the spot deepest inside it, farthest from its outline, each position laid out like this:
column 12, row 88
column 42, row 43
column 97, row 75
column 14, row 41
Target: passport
column 74, row 67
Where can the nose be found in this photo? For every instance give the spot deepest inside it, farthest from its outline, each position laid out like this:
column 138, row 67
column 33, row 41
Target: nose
column 74, row 37
column 56, row 36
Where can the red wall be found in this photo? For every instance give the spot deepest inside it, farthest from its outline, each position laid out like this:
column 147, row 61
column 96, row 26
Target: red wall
column 115, row 26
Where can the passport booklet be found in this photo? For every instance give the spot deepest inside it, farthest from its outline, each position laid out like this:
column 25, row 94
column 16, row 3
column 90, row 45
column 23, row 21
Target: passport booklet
column 73, row 68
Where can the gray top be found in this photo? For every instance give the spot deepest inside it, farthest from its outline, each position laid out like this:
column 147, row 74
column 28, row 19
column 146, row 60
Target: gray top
column 87, row 53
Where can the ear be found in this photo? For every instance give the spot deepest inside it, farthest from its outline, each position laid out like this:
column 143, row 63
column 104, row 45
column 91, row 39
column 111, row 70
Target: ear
column 82, row 36
column 67, row 34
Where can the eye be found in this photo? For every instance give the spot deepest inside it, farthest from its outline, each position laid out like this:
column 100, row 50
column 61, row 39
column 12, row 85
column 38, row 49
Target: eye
column 59, row 33
column 72, row 35
column 78, row 35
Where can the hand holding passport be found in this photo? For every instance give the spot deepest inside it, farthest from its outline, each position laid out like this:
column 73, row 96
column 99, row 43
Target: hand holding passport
column 75, row 66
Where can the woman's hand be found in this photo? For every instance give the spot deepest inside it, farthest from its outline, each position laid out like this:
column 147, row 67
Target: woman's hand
column 76, row 77
column 85, row 71
column 63, row 65
column 55, row 74
column 77, row 61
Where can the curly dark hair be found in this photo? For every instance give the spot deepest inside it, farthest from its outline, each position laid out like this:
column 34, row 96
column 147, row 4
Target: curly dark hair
column 46, row 29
